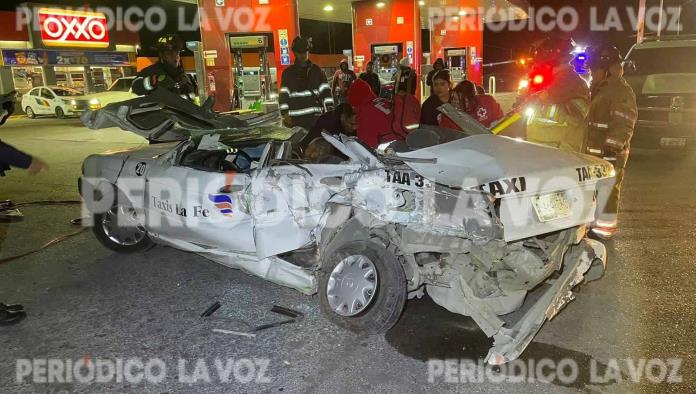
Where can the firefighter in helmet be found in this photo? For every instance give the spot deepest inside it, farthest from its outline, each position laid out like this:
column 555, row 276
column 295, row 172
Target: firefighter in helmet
column 610, row 122
column 558, row 99
column 305, row 93
column 167, row 73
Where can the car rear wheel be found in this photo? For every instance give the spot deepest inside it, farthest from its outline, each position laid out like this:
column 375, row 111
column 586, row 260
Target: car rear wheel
column 119, row 230
column 60, row 114
column 30, row 113
column 362, row 287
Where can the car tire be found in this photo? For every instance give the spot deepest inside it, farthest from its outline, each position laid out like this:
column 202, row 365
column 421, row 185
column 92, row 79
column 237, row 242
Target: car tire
column 60, row 114
column 115, row 230
column 30, row 113
column 384, row 307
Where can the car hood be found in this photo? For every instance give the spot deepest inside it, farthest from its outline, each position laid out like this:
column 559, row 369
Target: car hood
column 660, row 84
column 481, row 161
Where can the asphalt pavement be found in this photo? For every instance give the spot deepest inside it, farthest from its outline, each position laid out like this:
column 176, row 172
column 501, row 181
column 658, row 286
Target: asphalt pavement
column 88, row 304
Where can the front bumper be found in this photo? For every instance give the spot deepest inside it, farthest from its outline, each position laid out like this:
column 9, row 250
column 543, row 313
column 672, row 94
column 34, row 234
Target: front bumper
column 585, row 261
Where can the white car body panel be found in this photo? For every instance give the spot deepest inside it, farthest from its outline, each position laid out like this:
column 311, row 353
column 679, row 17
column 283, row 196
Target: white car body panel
column 472, row 201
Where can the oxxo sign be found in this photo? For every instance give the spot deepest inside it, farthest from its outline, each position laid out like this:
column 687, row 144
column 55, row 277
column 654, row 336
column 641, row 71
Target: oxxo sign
column 63, row 28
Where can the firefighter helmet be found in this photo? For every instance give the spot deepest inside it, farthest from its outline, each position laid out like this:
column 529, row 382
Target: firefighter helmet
column 170, row 42
column 603, row 57
column 301, row 44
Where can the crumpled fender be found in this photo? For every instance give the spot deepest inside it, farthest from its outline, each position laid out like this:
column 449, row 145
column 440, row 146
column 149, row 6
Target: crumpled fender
column 584, row 261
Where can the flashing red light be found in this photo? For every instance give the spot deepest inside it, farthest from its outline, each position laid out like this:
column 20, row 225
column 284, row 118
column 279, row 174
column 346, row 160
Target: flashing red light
column 538, row 79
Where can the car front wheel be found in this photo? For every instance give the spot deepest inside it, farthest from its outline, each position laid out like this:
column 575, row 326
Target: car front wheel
column 363, row 287
column 119, row 230
column 60, row 114
column 30, row 113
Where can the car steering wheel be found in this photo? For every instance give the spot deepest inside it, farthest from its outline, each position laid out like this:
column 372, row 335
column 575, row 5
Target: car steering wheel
column 227, row 166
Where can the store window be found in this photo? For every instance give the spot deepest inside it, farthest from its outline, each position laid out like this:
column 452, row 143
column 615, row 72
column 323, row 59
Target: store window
column 26, row 78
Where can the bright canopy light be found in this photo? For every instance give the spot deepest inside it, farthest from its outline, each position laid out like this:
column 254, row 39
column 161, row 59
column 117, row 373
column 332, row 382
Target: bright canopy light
column 328, row 8
column 421, row 3
column 380, row 4
column 462, row 13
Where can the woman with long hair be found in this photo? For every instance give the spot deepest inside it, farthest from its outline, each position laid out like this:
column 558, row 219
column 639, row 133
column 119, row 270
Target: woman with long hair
column 441, row 94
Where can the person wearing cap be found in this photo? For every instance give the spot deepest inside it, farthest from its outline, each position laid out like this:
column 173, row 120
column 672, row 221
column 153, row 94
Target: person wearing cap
column 12, row 157
column 304, row 92
column 558, row 98
column 610, row 122
column 168, row 73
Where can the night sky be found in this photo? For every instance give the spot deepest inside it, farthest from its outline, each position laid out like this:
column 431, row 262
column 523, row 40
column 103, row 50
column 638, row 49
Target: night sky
column 333, row 37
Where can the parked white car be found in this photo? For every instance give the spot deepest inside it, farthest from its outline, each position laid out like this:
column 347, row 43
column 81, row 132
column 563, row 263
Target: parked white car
column 120, row 90
column 58, row 101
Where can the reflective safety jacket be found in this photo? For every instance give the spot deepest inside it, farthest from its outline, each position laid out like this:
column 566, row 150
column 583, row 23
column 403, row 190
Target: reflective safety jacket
column 163, row 76
column 558, row 118
column 304, row 91
column 612, row 116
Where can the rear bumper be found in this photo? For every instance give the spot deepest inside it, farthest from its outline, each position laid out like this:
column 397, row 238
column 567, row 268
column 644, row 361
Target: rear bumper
column 655, row 135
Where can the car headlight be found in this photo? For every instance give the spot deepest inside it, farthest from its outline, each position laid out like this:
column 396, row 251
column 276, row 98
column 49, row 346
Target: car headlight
column 94, row 101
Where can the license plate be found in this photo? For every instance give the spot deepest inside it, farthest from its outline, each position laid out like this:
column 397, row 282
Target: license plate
column 551, row 206
column 667, row 142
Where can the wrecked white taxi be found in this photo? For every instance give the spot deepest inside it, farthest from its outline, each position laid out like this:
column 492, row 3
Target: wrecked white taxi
column 487, row 226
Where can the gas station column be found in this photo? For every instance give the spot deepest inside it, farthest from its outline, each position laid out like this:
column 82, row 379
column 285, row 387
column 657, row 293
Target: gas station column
column 457, row 38
column 386, row 32
column 222, row 20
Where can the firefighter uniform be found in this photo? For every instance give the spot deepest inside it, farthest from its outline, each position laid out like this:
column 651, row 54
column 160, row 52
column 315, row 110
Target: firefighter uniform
column 161, row 75
column 611, row 120
column 304, row 94
column 557, row 117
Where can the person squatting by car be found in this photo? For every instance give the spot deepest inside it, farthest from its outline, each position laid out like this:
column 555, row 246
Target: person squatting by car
column 381, row 120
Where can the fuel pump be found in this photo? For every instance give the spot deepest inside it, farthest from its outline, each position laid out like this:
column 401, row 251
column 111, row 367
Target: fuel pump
column 386, row 58
column 252, row 85
column 456, row 62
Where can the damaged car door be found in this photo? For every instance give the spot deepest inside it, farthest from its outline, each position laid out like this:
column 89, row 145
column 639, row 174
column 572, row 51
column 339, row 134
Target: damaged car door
column 200, row 201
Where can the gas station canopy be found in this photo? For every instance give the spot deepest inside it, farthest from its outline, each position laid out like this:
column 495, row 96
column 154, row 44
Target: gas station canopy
column 314, row 9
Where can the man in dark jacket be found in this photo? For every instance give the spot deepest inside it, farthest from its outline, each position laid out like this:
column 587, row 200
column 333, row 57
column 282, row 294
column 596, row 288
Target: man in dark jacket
column 372, row 78
column 437, row 66
column 11, row 157
column 304, row 92
column 167, row 73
